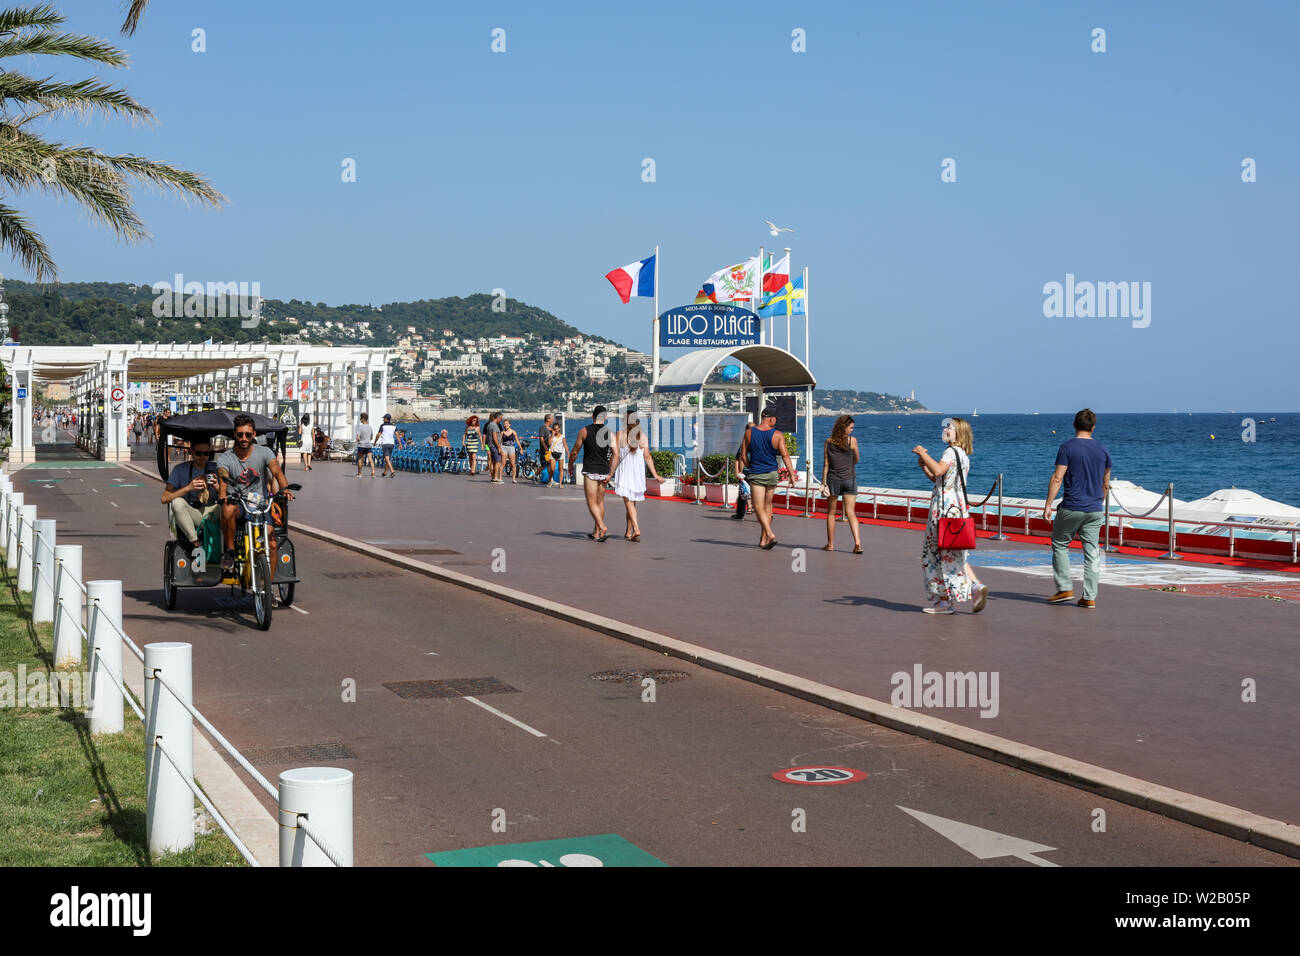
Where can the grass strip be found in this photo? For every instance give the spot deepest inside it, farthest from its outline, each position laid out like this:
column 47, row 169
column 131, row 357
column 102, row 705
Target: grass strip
column 67, row 797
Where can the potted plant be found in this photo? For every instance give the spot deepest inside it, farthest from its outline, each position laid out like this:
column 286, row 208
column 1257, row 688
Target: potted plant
column 690, row 488
column 665, row 461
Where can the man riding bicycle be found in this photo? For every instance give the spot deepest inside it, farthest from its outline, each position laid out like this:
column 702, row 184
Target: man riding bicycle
column 246, row 467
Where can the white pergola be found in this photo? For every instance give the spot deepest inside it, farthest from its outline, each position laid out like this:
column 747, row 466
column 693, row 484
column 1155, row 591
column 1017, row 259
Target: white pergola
column 340, row 383
column 775, row 369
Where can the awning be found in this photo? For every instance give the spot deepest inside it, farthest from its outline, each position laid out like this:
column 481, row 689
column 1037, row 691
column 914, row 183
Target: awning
column 776, row 369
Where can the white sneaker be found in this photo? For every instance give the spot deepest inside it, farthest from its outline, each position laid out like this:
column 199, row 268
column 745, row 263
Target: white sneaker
column 943, row 607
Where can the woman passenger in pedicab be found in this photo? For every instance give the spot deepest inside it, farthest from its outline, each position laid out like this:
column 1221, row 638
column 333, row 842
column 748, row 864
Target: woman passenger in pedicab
column 191, row 492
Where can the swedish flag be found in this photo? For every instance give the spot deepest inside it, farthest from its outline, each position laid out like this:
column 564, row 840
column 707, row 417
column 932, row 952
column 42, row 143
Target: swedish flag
column 787, row 301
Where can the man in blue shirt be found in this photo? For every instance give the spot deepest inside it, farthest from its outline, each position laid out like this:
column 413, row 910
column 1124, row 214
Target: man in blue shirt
column 1083, row 464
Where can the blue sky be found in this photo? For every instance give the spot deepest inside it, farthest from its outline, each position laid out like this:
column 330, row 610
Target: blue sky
column 522, row 170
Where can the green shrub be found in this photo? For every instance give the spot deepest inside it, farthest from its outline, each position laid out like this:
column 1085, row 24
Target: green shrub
column 665, row 462
column 791, row 444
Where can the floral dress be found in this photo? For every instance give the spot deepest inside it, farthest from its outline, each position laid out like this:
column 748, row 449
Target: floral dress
column 945, row 571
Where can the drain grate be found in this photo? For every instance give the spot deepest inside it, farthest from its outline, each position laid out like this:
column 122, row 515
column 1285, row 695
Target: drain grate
column 634, row 675
column 351, row 575
column 452, row 687
column 301, row 753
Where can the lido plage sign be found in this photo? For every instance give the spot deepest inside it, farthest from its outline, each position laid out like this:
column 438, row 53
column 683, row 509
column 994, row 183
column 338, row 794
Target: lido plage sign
column 707, row 326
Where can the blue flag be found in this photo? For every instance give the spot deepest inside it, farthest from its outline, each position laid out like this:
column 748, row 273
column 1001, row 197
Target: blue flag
column 787, row 301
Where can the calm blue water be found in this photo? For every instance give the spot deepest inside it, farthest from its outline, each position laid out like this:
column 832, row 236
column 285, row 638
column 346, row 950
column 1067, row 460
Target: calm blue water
column 1149, row 450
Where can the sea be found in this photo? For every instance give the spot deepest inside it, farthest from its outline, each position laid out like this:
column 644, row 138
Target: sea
column 1200, row 453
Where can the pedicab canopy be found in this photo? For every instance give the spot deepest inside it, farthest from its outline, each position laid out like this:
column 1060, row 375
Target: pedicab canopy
column 217, row 421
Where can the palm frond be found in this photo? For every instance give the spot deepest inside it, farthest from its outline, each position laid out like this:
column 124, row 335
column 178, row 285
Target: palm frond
column 133, row 16
column 82, row 97
column 43, row 17
column 50, row 43
column 26, row 245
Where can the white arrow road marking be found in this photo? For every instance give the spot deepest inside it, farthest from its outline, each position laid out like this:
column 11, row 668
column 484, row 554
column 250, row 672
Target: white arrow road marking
column 294, row 607
column 985, row 844
column 517, row 723
column 113, row 503
column 147, row 525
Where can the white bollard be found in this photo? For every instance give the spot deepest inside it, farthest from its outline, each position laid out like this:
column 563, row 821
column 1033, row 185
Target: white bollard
column 43, row 572
column 69, row 613
column 104, row 604
column 27, row 535
column 169, row 813
column 324, row 795
column 11, row 529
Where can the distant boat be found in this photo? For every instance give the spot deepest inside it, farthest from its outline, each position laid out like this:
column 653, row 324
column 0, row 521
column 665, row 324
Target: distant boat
column 975, row 414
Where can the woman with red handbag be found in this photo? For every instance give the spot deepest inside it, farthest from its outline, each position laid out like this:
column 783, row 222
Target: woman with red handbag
column 950, row 531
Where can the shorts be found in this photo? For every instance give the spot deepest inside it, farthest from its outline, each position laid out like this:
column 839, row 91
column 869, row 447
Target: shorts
column 839, row 486
column 768, row 479
column 388, row 451
column 596, row 477
column 363, row 452
column 493, row 453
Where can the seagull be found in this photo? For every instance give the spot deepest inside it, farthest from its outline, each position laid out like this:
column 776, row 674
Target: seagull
column 775, row 229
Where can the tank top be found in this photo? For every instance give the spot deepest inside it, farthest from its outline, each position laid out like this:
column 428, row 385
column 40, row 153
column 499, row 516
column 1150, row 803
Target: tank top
column 595, row 450
column 762, row 453
column 840, row 461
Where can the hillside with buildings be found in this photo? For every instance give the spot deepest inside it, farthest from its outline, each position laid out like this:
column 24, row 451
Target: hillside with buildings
column 480, row 351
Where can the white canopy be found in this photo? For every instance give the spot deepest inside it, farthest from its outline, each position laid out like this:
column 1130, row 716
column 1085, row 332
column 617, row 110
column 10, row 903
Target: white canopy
column 1239, row 501
column 1134, row 499
column 776, row 368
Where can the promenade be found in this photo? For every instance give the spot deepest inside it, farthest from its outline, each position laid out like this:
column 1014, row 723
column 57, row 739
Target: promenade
column 1149, row 684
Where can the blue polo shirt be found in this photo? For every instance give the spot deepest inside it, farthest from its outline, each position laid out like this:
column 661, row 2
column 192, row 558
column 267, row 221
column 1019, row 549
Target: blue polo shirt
column 1086, row 461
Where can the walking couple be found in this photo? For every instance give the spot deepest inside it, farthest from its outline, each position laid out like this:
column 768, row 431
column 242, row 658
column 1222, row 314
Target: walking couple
column 620, row 460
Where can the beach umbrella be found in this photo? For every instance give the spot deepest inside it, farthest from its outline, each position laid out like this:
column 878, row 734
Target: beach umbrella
column 1125, row 496
column 1230, row 502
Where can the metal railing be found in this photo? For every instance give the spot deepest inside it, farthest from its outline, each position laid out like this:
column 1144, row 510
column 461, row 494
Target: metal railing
column 170, row 821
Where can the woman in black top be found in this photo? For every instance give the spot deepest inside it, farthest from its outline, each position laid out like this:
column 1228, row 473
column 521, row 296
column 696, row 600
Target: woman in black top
column 839, row 479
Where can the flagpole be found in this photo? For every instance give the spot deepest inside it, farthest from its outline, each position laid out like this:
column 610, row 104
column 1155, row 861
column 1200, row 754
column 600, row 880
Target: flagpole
column 788, row 310
column 654, row 371
column 762, row 335
column 809, row 411
column 806, row 316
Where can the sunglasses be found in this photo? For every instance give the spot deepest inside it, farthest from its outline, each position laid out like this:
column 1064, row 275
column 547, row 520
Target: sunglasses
column 245, row 434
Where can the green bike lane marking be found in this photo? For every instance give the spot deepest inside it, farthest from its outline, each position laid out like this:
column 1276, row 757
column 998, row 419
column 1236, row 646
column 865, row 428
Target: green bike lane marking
column 607, row 849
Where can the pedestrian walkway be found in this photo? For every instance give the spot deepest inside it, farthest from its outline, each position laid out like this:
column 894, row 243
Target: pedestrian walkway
column 1196, row 692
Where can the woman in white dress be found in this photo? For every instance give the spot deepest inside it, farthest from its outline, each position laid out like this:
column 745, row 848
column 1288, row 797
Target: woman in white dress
column 629, row 476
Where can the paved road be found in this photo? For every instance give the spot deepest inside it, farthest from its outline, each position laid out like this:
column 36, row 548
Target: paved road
column 688, row 777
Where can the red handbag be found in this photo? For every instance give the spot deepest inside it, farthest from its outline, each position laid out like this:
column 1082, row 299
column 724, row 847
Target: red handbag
column 957, row 534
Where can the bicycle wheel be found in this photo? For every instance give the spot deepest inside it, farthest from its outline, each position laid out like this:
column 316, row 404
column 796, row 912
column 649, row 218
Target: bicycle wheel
column 169, row 589
column 286, row 593
column 262, row 590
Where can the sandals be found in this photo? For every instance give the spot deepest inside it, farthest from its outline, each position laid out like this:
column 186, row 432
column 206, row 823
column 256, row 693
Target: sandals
column 769, row 546
column 943, row 607
column 857, row 549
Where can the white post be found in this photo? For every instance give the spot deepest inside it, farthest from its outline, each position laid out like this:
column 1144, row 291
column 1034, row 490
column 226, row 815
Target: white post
column 11, row 530
column 654, row 359
column 324, row 796
column 6, row 491
column 43, row 573
column 169, row 811
column 104, row 604
column 807, row 317
column 68, row 614
column 26, row 532
column 758, row 298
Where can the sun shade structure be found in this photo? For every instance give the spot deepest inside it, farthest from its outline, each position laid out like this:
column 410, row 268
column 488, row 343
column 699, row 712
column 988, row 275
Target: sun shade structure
column 333, row 385
column 775, row 369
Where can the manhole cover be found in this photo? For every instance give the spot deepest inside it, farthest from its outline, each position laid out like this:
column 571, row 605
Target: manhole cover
column 301, row 753
column 634, row 675
column 451, row 687
column 351, row 575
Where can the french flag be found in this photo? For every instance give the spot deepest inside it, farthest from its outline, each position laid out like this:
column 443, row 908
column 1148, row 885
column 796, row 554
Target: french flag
column 635, row 279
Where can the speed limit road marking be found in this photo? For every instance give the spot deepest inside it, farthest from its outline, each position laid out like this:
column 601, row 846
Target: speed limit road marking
column 819, row 776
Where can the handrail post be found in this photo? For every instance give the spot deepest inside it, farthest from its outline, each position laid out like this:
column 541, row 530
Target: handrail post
column 169, row 811
column 999, row 536
column 43, row 572
column 1172, row 554
column 104, row 604
column 324, row 796
column 11, row 530
column 26, row 534
column 67, row 575
column 1108, row 548
column 6, row 492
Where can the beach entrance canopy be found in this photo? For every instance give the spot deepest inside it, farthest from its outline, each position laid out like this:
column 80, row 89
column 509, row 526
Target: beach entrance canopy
column 775, row 368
